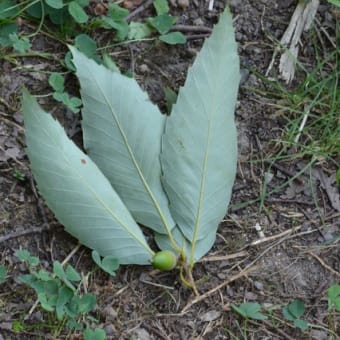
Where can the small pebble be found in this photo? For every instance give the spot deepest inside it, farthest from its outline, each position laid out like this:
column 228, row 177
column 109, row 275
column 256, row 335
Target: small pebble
column 110, row 330
column 183, row 4
column 244, row 75
column 258, row 285
column 99, row 9
column 210, row 316
column 250, row 296
column 198, row 22
column 110, row 314
column 144, row 68
column 142, row 334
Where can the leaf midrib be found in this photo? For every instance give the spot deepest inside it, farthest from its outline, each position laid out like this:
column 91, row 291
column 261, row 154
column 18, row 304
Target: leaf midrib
column 204, row 175
column 134, row 161
column 101, row 202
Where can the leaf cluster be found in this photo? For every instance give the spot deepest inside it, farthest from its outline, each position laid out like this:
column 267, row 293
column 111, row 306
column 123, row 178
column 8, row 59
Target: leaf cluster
column 58, row 293
column 163, row 172
column 60, row 12
column 293, row 312
column 56, row 80
column 71, row 16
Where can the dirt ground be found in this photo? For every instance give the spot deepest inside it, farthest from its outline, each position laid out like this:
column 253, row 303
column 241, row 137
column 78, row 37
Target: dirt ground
column 139, row 303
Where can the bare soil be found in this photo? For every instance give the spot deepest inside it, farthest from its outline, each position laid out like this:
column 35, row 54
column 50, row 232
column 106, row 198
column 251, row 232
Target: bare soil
column 141, row 303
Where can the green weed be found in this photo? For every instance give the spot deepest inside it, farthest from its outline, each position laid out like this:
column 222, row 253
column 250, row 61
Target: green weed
column 253, row 312
column 56, row 80
column 293, row 312
column 3, row 273
column 71, row 19
column 59, row 293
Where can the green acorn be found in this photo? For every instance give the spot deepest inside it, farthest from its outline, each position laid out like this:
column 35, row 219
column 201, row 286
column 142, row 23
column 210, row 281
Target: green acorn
column 164, row 260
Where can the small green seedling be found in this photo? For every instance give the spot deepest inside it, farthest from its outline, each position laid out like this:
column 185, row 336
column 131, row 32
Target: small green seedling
column 334, row 298
column 3, row 273
column 19, row 175
column 94, row 334
column 163, row 23
column 56, row 80
column 170, row 98
column 19, row 43
column 249, row 310
column 86, row 45
column 114, row 19
column 293, row 312
column 109, row 263
column 25, row 256
column 58, row 292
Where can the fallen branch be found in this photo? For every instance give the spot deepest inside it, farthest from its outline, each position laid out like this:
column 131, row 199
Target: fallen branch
column 16, row 234
column 324, row 264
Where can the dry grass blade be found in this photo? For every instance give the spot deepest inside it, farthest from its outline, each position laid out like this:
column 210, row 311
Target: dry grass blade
column 242, row 273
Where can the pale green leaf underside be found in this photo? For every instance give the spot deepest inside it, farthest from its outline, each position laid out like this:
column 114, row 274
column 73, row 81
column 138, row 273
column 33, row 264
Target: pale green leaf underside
column 199, row 146
column 77, row 192
column 122, row 134
column 201, row 246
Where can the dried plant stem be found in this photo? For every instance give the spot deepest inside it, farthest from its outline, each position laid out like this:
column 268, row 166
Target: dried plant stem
column 242, row 273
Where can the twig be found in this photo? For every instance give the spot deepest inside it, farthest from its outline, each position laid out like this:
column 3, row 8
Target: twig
column 274, row 237
column 197, row 36
column 190, row 28
column 12, row 157
column 33, row 230
column 324, row 264
column 285, row 171
column 220, row 286
column 277, row 329
column 330, row 217
column 279, row 242
column 224, row 257
column 139, row 9
column 156, row 284
column 323, row 30
column 283, row 200
column 9, row 122
column 40, row 207
column 156, row 331
column 8, row 106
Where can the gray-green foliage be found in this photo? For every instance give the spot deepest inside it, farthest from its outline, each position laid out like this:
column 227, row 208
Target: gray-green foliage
column 172, row 174
column 77, row 191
